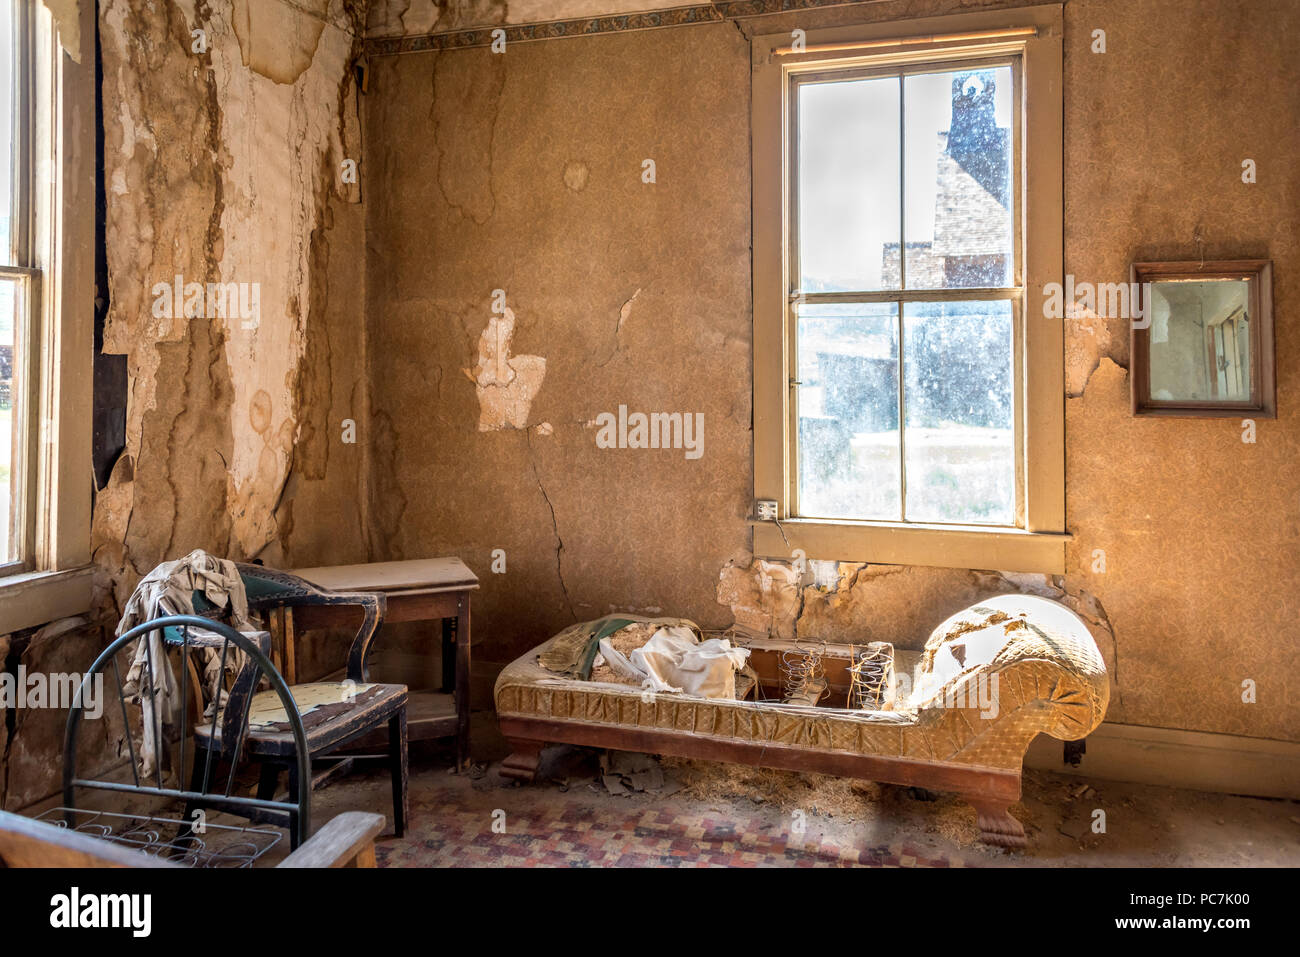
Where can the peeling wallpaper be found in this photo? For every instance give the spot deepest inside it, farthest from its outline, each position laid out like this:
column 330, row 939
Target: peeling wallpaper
column 223, row 159
column 632, row 294
column 505, row 384
column 66, row 15
column 222, row 167
column 521, row 172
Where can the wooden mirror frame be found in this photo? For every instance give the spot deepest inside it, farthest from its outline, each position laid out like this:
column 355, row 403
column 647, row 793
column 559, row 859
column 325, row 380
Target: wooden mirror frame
column 1258, row 275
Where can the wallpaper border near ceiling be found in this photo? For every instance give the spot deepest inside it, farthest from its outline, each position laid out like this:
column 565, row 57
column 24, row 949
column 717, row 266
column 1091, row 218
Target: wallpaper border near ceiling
column 716, row 12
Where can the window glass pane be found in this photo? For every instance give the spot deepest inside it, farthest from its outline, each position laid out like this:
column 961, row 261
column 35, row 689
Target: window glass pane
column 848, row 411
column 960, row 444
column 8, row 60
column 11, row 306
column 959, row 179
column 849, row 184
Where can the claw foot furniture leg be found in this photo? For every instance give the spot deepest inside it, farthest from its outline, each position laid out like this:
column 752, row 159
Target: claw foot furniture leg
column 997, row 826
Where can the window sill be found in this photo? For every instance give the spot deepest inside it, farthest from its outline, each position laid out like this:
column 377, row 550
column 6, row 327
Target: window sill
column 34, row 598
column 940, row 546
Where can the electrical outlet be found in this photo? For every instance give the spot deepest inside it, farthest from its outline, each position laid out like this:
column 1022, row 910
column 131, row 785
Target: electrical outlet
column 765, row 509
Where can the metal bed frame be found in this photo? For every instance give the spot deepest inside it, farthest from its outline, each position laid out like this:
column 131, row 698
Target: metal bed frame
column 295, row 814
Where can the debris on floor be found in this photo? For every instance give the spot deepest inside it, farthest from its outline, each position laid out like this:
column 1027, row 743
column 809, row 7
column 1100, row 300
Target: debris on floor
column 730, row 815
column 1075, row 827
column 954, row 821
column 791, row 790
column 624, row 772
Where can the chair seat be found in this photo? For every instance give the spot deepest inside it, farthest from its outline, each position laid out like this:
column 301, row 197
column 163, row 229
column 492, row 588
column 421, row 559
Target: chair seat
column 332, row 712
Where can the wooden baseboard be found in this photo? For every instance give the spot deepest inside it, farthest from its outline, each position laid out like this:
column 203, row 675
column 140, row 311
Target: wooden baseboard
column 1227, row 763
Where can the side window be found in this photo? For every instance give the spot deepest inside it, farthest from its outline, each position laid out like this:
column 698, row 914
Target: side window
column 18, row 280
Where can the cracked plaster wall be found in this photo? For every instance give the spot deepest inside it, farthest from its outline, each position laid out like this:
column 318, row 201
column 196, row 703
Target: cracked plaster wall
column 520, row 171
column 523, row 173
column 222, row 166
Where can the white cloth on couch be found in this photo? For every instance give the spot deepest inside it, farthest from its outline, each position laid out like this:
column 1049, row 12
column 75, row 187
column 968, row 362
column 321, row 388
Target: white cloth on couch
column 674, row 660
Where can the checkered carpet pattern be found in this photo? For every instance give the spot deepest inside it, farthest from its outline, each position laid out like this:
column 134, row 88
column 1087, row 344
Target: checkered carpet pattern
column 519, row 827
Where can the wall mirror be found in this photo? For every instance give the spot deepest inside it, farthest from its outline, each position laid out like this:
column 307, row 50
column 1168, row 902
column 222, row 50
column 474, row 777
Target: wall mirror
column 1202, row 339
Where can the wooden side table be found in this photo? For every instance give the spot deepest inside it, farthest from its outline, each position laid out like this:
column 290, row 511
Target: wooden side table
column 428, row 589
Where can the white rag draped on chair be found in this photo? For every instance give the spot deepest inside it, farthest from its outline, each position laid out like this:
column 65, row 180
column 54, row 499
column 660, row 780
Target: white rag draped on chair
column 169, row 590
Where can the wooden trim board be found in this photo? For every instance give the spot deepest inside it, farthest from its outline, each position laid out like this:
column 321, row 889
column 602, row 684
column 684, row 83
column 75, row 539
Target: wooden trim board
column 1197, row 760
column 39, row 597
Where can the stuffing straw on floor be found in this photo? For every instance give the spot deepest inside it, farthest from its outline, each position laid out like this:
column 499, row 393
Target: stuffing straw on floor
column 822, row 793
column 951, row 818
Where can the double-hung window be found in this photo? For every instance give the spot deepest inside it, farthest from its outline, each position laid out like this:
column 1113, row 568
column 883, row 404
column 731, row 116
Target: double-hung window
column 19, row 279
column 47, row 242
column 908, row 391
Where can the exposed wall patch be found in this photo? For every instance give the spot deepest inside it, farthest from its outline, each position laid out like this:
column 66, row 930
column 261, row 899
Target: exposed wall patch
column 576, row 175
column 505, row 385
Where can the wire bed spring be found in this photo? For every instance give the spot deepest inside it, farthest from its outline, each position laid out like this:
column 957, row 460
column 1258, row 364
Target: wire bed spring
column 220, row 846
column 803, row 674
column 871, row 674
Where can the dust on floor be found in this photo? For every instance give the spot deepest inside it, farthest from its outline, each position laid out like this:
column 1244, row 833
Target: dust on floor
column 730, row 815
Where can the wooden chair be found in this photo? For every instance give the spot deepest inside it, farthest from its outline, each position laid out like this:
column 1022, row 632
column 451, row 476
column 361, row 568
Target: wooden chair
column 331, row 727
column 348, row 840
column 292, row 739
column 269, row 590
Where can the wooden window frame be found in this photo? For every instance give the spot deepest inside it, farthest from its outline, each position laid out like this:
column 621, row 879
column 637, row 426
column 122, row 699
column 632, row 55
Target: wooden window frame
column 1031, row 36
column 54, row 374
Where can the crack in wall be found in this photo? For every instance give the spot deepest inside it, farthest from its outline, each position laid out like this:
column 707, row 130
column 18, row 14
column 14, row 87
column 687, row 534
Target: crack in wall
column 624, row 312
column 555, row 527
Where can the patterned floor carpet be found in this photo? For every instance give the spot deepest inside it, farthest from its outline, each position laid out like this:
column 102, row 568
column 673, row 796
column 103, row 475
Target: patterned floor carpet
column 542, row 827
column 567, row 819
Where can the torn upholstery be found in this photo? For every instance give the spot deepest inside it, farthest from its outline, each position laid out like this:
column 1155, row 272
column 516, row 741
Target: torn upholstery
column 1045, row 675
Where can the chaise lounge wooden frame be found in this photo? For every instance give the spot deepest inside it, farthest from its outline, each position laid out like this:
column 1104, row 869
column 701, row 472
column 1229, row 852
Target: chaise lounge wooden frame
column 1050, row 678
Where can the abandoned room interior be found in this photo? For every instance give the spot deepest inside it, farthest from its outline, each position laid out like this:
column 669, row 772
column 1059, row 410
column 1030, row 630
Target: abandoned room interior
column 645, row 433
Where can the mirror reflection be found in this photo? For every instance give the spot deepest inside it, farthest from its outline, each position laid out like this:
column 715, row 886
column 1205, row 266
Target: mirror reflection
column 1200, row 347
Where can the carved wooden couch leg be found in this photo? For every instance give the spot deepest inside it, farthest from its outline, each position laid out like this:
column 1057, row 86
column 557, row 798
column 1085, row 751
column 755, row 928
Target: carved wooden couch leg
column 522, row 763
column 997, row 826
